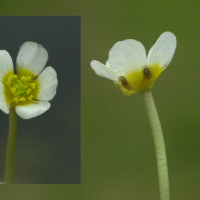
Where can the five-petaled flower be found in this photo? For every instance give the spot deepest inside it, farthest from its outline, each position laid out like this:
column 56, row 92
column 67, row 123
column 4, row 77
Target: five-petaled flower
column 129, row 67
column 28, row 91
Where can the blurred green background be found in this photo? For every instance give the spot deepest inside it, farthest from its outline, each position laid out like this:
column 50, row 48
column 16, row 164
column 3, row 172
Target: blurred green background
column 117, row 151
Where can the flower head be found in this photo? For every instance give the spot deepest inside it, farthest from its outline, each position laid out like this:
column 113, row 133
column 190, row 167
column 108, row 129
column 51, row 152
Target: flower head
column 129, row 67
column 28, row 91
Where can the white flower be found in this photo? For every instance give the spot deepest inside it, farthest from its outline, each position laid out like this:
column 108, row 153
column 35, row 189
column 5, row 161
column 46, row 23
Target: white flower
column 28, row 91
column 129, row 67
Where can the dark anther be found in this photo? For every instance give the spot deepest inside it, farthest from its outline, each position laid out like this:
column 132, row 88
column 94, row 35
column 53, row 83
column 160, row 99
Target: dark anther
column 147, row 73
column 124, row 82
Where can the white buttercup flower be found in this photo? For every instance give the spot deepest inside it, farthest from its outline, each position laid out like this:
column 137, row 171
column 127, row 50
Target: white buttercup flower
column 28, row 91
column 129, row 67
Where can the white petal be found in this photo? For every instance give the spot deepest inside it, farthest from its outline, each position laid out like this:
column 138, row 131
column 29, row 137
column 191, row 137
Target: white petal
column 163, row 50
column 3, row 105
column 107, row 64
column 127, row 55
column 32, row 110
column 32, row 56
column 48, row 83
column 6, row 63
column 103, row 70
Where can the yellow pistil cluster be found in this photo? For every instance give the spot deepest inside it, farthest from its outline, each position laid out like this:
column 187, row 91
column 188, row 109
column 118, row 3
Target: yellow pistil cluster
column 20, row 88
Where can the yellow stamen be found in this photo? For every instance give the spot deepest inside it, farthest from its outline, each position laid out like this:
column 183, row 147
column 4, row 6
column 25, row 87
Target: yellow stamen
column 22, row 99
column 20, row 89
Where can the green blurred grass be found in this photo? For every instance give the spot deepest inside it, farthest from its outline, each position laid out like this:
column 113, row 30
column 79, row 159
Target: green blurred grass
column 118, row 158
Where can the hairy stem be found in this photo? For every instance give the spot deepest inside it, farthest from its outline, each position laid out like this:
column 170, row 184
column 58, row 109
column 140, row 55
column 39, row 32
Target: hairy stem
column 159, row 145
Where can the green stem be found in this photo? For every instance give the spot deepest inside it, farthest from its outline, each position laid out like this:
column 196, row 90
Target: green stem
column 10, row 155
column 159, row 145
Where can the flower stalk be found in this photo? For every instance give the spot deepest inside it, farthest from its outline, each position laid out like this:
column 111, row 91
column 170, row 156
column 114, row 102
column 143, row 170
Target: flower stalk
column 10, row 155
column 159, row 144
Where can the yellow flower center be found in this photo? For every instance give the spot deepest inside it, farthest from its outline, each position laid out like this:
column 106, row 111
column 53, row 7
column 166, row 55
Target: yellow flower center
column 20, row 89
column 139, row 80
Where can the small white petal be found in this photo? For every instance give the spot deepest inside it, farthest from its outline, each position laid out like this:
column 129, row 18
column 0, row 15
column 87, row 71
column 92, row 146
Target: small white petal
column 127, row 55
column 6, row 63
column 163, row 50
column 32, row 110
column 32, row 56
column 107, row 64
column 48, row 83
column 3, row 105
column 103, row 70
